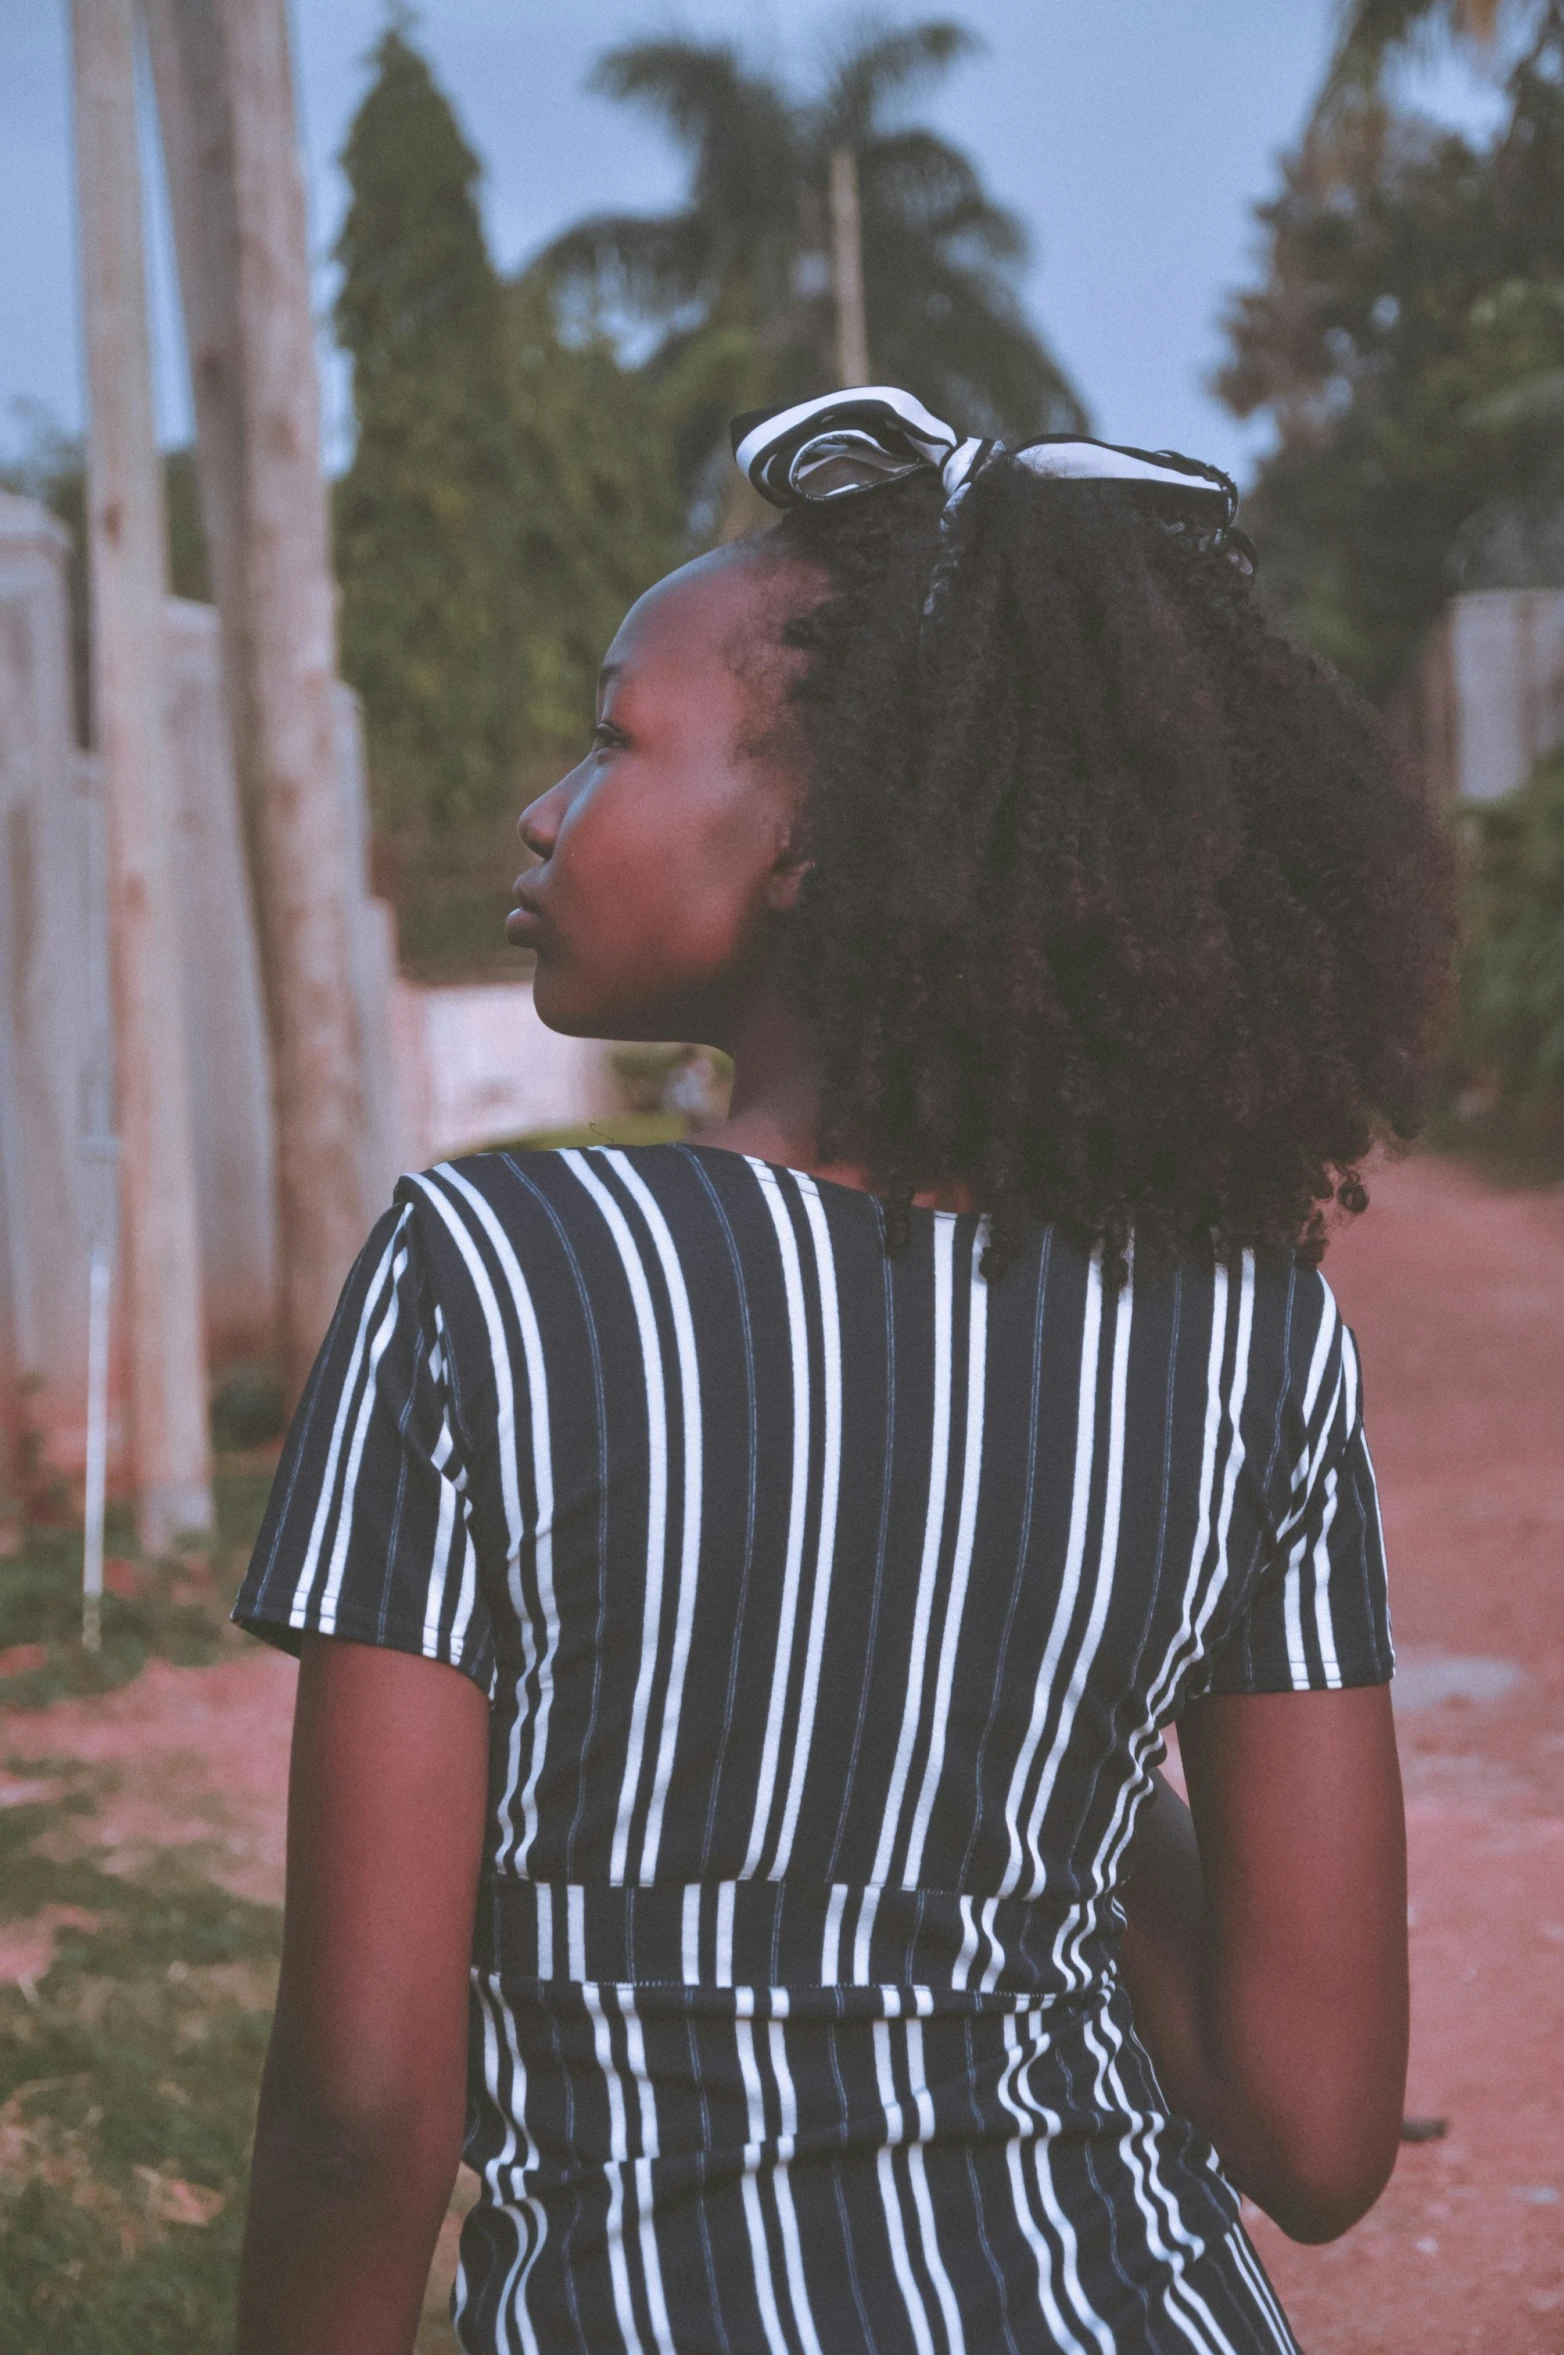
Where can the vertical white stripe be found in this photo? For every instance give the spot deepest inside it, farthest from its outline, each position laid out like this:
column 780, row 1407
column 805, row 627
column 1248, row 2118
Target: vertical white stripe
column 969, row 1937
column 868, row 1907
column 923, row 2206
column 830, row 1480
column 1026, row 2127
column 395, row 1250
column 754, row 2220
column 1324, row 1625
column 545, row 1903
column 928, row 2238
column 618, row 2160
column 651, row 2265
column 890, row 2194
column 944, row 1242
column 798, row 1505
column 831, row 1943
column 505, row 1459
column 1244, row 2258
column 575, row 1931
column 656, row 1500
column 996, row 1952
column 1292, row 1617
column 690, row 1535
column 439, row 1567
column 782, row 2186
column 542, row 1489
column 1107, row 1564
column 1142, row 2134
column 690, row 1936
column 1306, row 1469
column 326, row 1615
column 1031, row 2115
column 1070, row 1579
column 726, row 1892
column 961, row 1566
column 1196, row 1607
column 506, row 2173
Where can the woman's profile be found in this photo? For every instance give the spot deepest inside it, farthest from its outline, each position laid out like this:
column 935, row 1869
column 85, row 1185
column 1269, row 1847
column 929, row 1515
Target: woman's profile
column 742, row 1584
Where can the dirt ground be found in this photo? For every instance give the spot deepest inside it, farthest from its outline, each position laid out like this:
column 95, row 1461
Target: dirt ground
column 1457, row 1295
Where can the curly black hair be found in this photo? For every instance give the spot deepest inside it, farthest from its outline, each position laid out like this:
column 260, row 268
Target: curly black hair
column 1122, row 913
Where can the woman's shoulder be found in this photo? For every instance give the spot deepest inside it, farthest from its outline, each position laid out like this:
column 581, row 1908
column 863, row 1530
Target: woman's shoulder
column 514, row 1198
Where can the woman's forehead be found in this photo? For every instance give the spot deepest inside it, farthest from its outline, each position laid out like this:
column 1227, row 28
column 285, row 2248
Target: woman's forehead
column 696, row 617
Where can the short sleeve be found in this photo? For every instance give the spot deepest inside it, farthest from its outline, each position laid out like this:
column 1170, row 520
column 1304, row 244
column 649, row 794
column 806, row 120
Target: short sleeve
column 367, row 1534
column 1316, row 1615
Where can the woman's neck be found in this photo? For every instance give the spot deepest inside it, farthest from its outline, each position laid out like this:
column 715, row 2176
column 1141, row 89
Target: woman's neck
column 774, row 1111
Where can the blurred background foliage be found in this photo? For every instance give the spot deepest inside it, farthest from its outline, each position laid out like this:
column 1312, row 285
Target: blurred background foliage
column 1509, row 1049
column 532, row 451
column 1406, row 345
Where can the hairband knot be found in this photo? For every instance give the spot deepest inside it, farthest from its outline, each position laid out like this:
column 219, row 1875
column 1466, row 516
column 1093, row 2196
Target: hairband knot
column 849, row 442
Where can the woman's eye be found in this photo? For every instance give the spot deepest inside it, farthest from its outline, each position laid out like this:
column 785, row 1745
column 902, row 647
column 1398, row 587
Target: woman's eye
column 606, row 738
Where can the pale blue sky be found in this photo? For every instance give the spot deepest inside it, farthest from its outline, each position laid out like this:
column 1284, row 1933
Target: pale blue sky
column 1132, row 135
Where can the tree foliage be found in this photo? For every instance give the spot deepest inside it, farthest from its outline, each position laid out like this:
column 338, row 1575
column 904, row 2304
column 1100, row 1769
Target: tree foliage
column 1512, row 972
column 1407, row 343
column 1376, row 33
column 424, row 515
column 737, row 281
column 600, row 516
column 510, row 491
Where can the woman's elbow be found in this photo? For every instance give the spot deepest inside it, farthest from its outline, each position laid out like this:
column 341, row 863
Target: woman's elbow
column 341, row 2154
column 1316, row 2194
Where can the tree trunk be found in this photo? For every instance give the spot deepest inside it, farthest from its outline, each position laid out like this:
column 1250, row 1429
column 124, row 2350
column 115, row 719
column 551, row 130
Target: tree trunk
column 852, row 325
column 225, row 99
column 128, row 561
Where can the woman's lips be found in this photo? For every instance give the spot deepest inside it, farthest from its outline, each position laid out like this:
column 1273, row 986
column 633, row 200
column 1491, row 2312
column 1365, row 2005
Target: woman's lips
column 524, row 926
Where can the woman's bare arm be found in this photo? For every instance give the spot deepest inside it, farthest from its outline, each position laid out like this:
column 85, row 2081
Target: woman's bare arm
column 360, row 2125
column 1266, row 1951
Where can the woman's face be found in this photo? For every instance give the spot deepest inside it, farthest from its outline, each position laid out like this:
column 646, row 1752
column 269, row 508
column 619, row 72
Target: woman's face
column 666, row 859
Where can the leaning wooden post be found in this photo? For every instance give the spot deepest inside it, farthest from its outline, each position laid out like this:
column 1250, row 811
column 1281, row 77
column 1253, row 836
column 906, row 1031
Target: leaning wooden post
column 128, row 566
column 225, row 99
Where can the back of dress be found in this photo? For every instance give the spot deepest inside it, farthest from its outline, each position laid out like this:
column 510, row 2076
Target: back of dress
column 829, row 1605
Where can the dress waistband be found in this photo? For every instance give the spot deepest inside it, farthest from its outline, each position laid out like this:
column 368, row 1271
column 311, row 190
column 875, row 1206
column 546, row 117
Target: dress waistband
column 770, row 1934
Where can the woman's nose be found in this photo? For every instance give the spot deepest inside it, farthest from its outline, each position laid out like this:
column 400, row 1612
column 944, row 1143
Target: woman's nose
column 538, row 824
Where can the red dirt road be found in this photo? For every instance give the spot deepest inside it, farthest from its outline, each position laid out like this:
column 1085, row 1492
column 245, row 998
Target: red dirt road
column 1456, row 1293
column 1457, row 1296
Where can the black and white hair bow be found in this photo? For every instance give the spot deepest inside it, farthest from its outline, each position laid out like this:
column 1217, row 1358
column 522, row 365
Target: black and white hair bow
column 855, row 441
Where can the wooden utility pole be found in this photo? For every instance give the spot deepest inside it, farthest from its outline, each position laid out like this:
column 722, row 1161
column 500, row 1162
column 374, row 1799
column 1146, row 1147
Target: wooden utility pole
column 225, row 101
column 852, row 324
column 128, row 561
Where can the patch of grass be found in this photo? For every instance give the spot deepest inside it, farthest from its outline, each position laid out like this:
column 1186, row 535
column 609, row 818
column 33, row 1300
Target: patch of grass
column 128, row 2077
column 171, row 1610
column 128, row 2080
column 130, row 2065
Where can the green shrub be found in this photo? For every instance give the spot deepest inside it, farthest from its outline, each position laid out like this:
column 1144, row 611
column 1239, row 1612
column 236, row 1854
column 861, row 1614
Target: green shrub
column 1510, row 1039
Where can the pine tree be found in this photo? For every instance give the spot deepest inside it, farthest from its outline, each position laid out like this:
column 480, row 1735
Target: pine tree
column 425, row 516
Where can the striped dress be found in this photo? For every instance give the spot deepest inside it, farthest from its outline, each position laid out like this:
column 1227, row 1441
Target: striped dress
column 829, row 1607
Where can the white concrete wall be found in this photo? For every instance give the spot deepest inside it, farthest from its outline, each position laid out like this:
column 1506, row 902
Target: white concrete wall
column 447, row 1070
column 52, row 1035
column 476, row 1066
column 1490, row 698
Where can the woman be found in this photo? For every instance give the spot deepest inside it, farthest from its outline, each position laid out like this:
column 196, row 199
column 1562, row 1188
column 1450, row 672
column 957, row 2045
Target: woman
column 741, row 1586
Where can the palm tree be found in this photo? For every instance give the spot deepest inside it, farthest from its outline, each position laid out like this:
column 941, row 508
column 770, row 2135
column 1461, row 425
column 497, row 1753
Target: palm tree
column 1374, row 31
column 739, row 280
